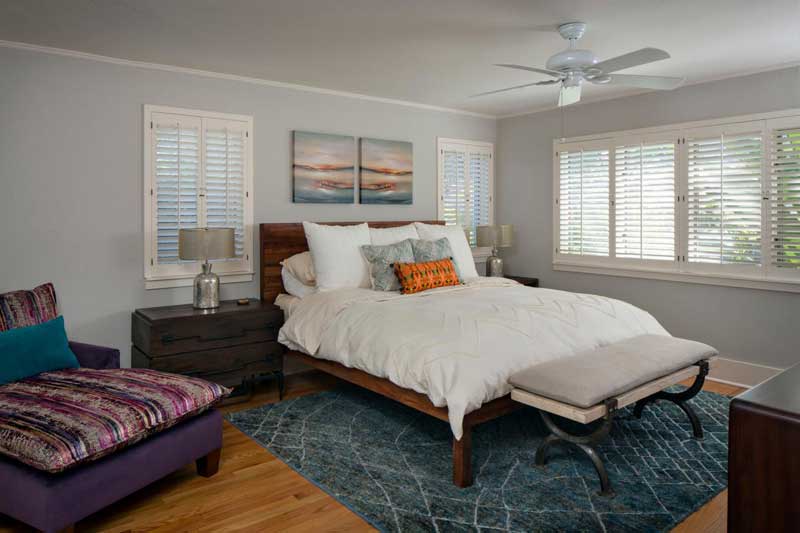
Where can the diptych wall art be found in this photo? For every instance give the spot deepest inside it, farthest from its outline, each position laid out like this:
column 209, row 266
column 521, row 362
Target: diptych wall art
column 387, row 172
column 324, row 170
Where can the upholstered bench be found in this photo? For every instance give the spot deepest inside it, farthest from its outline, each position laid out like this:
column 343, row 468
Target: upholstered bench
column 594, row 384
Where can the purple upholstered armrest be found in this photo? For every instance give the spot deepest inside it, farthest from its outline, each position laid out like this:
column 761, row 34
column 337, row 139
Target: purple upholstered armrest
column 97, row 357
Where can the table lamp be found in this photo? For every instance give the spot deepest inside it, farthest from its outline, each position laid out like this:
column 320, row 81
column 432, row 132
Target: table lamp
column 203, row 244
column 501, row 236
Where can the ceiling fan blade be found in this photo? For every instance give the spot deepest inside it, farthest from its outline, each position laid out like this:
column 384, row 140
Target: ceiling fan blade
column 548, row 82
column 632, row 59
column 553, row 73
column 661, row 83
column 569, row 95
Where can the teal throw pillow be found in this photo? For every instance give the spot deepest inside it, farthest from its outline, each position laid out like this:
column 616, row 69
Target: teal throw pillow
column 31, row 350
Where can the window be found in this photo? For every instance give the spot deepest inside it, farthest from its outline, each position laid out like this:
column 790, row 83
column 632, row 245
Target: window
column 710, row 202
column 197, row 173
column 583, row 201
column 466, row 184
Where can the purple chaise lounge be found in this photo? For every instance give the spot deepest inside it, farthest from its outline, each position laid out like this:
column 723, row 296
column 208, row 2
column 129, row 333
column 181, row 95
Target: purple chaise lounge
column 56, row 501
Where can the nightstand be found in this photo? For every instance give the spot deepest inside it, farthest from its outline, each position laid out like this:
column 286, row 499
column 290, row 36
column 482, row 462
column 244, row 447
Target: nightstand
column 230, row 345
column 528, row 282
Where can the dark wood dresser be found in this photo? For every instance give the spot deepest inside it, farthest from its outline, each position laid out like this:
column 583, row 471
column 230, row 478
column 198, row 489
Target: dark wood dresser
column 230, row 345
column 528, row 282
column 764, row 456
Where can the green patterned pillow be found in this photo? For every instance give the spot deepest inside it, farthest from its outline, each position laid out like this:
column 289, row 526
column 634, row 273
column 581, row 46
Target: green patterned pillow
column 425, row 251
column 381, row 258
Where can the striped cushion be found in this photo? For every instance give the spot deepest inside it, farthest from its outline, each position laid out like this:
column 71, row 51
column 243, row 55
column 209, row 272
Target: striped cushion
column 55, row 420
column 19, row 309
column 417, row 277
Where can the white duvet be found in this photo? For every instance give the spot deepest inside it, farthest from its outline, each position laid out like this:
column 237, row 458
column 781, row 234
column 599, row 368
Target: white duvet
column 458, row 345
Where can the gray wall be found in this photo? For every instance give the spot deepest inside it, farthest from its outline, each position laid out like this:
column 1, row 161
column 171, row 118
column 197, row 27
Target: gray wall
column 744, row 324
column 71, row 174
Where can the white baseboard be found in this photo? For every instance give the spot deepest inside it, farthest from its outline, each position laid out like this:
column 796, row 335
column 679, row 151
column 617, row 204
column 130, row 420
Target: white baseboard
column 741, row 373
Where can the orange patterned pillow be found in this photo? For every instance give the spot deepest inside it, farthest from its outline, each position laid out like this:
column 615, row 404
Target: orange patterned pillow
column 417, row 277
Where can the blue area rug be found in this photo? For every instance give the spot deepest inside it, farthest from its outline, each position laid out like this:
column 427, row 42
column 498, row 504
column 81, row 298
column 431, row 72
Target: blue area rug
column 392, row 465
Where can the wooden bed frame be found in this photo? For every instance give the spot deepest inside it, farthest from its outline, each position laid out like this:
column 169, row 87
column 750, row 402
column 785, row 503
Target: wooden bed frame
column 282, row 240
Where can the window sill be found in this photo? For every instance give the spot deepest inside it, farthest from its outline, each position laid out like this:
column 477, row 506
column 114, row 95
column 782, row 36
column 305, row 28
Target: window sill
column 188, row 281
column 723, row 280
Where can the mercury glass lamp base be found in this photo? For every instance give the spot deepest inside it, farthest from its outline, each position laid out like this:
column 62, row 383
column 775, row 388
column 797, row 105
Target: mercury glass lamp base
column 494, row 266
column 206, row 289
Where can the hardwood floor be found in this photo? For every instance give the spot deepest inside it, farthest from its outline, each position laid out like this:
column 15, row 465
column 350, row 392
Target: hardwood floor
column 254, row 491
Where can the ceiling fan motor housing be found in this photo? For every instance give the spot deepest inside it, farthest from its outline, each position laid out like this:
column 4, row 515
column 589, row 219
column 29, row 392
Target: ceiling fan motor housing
column 572, row 59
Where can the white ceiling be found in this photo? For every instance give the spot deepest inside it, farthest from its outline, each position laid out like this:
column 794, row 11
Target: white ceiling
column 436, row 52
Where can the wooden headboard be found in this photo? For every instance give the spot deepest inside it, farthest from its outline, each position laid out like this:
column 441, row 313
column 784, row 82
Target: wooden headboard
column 284, row 239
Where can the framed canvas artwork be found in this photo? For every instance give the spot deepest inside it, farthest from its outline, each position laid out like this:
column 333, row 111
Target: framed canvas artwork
column 387, row 172
column 323, row 169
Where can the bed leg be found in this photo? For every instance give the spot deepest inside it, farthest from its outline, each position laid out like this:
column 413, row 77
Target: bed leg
column 462, row 459
column 208, row 465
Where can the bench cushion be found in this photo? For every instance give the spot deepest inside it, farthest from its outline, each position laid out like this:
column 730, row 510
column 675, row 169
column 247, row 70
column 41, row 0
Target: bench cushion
column 56, row 420
column 588, row 378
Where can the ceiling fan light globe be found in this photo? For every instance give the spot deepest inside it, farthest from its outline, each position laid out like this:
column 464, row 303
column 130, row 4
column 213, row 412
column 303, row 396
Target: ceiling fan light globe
column 572, row 59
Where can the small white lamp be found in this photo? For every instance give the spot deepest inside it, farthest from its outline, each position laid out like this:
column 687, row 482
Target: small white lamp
column 203, row 244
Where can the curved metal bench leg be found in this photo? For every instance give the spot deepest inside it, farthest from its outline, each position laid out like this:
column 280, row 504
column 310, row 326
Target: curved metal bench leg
column 605, row 484
column 585, row 443
column 680, row 399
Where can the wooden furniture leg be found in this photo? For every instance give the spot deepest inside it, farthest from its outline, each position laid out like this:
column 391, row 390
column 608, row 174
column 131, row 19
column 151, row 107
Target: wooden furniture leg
column 462, row 459
column 208, row 465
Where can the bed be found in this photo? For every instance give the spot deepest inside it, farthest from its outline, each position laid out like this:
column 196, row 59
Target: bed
column 492, row 328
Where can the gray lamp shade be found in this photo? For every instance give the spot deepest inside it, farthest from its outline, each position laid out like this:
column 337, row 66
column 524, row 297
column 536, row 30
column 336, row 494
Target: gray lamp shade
column 206, row 243
column 501, row 236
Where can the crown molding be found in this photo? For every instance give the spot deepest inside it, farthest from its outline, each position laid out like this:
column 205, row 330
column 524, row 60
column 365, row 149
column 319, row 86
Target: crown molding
column 233, row 77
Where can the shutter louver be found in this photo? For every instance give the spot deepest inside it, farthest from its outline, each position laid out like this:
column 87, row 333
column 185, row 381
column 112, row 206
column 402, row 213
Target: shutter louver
column 645, row 201
column 224, row 183
column 583, row 202
column 724, row 199
column 466, row 187
column 177, row 175
column 481, row 196
column 785, row 198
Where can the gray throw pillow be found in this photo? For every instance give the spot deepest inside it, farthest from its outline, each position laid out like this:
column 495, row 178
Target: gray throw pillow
column 425, row 251
column 381, row 259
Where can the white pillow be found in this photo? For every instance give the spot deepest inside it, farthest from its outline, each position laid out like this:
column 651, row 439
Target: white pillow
column 336, row 252
column 462, row 254
column 294, row 286
column 301, row 266
column 384, row 236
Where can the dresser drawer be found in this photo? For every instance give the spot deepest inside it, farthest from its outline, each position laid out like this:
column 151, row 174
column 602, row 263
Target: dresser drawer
column 203, row 333
column 236, row 362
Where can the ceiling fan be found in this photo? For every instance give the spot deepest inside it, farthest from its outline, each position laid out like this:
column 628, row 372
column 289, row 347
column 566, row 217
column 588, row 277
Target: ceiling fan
column 573, row 66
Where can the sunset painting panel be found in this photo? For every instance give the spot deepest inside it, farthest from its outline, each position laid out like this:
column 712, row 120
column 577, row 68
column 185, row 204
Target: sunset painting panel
column 324, row 168
column 387, row 172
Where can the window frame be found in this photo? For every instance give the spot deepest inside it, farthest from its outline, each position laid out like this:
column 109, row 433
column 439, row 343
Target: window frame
column 171, row 275
column 481, row 146
column 762, row 277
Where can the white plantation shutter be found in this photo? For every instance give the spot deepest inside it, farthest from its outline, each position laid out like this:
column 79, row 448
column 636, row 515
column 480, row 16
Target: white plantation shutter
column 583, row 201
column 466, row 184
column 197, row 174
column 225, row 143
column 644, row 180
column 177, row 178
column 724, row 196
column 784, row 195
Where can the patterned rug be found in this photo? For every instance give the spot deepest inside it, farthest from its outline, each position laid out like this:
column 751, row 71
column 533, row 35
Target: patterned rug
column 392, row 465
